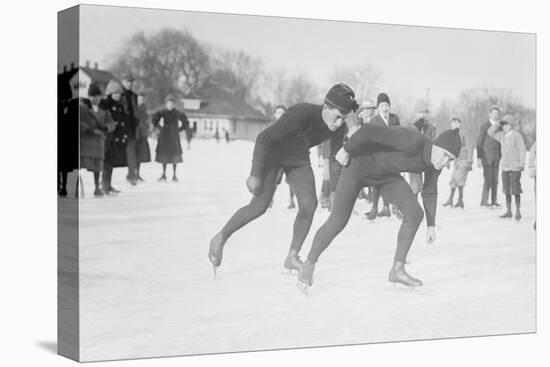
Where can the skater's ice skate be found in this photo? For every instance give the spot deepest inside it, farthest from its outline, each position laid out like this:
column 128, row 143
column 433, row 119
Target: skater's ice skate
column 399, row 275
column 508, row 214
column 305, row 276
column 215, row 253
column 448, row 203
column 292, row 263
column 518, row 215
column 459, row 204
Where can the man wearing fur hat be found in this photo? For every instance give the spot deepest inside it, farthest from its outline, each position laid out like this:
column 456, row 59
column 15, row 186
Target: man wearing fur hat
column 488, row 157
column 513, row 151
column 383, row 118
column 376, row 156
column 285, row 145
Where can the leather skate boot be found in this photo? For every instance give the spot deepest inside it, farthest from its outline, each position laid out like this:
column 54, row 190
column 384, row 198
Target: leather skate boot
column 162, row 178
column 98, row 192
column 292, row 262
column 215, row 252
column 372, row 214
column 518, row 215
column 385, row 212
column 399, row 275
column 459, row 204
column 448, row 203
column 305, row 275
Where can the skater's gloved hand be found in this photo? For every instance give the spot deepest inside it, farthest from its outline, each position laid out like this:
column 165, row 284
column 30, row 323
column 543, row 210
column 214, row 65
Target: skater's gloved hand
column 430, row 235
column 479, row 163
column 254, row 185
column 342, row 157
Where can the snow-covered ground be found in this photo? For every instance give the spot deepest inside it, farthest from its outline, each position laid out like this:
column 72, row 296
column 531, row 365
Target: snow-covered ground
column 147, row 287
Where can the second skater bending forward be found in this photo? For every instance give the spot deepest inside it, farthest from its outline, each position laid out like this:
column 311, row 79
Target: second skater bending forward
column 376, row 156
column 284, row 146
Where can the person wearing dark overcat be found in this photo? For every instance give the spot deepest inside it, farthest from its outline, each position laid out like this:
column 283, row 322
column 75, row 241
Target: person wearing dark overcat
column 379, row 155
column 285, row 146
column 488, row 157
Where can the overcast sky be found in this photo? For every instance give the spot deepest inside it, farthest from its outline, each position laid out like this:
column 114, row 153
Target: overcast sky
column 411, row 58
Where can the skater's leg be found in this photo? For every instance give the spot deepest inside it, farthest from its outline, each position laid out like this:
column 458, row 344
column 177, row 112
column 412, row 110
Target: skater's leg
column 450, row 201
column 404, row 199
column 303, row 182
column 257, row 206
column 494, row 184
column 345, row 195
column 174, row 167
column 487, row 172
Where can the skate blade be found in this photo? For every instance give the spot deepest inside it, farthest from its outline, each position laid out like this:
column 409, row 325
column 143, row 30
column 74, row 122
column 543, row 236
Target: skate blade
column 304, row 288
column 215, row 269
column 397, row 285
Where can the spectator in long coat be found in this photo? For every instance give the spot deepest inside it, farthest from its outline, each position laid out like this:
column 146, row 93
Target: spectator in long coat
column 94, row 125
column 115, row 145
column 488, row 157
column 143, row 153
column 383, row 118
column 130, row 105
column 171, row 122
column 462, row 165
column 67, row 133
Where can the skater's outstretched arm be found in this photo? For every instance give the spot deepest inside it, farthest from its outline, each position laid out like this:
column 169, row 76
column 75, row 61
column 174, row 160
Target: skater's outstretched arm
column 290, row 122
column 398, row 138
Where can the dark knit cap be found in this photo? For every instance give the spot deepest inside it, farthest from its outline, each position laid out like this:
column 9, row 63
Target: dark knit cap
column 128, row 76
column 342, row 97
column 93, row 90
column 382, row 97
column 450, row 141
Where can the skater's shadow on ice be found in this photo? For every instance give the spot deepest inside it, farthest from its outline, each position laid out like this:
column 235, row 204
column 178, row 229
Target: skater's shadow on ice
column 50, row 346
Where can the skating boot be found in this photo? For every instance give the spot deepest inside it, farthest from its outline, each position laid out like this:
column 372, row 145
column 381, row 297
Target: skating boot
column 174, row 178
column 459, row 204
column 215, row 252
column 63, row 192
column 385, row 212
column 508, row 214
column 399, row 275
column 372, row 214
column 162, row 178
column 140, row 179
column 305, row 276
column 496, row 205
column 448, row 203
column 518, row 215
column 292, row 263
column 485, row 205
column 98, row 192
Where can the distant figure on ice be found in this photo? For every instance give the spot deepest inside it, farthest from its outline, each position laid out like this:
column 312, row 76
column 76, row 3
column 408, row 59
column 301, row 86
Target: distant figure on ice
column 383, row 118
column 462, row 165
column 171, row 122
column 217, row 135
column 513, row 161
column 95, row 122
column 285, row 145
column 379, row 154
column 488, row 157
column 143, row 153
column 226, row 135
column 189, row 133
column 116, row 140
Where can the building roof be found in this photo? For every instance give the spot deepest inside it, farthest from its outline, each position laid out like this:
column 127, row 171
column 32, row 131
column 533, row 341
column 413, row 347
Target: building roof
column 98, row 75
column 219, row 102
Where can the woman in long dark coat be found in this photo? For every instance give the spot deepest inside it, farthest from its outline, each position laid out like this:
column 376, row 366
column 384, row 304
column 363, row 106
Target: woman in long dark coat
column 115, row 145
column 171, row 122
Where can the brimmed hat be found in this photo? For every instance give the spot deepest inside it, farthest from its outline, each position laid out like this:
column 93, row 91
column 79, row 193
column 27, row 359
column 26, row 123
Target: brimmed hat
column 128, row 76
column 450, row 141
column 382, row 97
column 368, row 104
column 342, row 97
column 113, row 87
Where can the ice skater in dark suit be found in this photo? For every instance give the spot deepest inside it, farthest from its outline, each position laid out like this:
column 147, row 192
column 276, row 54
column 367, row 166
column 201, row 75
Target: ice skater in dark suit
column 285, row 146
column 376, row 156
column 488, row 157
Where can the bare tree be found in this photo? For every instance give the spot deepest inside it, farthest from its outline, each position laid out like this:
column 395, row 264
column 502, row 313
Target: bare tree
column 363, row 78
column 167, row 62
